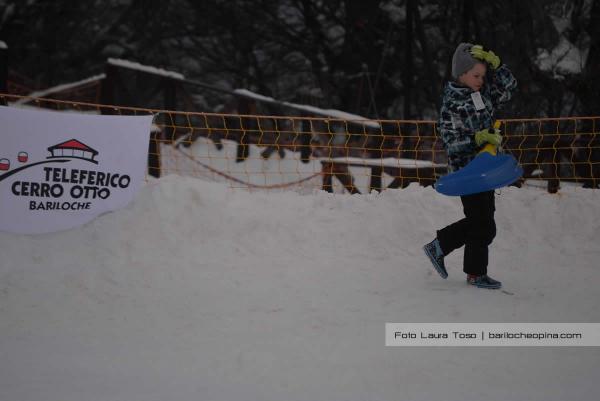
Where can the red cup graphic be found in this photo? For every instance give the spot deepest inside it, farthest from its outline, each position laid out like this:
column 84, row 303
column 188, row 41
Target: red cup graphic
column 4, row 164
column 23, row 157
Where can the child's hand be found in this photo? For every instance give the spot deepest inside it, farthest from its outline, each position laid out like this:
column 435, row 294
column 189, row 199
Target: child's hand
column 490, row 135
column 489, row 56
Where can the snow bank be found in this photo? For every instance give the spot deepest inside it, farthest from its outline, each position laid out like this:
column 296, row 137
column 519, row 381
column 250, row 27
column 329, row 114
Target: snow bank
column 199, row 291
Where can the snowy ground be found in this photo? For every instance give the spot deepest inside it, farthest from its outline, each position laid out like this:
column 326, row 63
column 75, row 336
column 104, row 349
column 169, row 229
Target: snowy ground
column 201, row 292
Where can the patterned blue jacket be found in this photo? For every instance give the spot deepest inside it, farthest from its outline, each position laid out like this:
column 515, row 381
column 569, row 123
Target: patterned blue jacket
column 460, row 120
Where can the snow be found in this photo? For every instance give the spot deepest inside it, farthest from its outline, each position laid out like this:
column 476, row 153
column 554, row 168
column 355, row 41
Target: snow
column 132, row 65
column 58, row 88
column 395, row 12
column 388, row 162
column 250, row 94
column 199, row 291
column 333, row 113
column 564, row 59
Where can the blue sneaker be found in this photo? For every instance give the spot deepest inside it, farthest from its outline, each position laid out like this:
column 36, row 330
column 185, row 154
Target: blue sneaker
column 483, row 281
column 436, row 256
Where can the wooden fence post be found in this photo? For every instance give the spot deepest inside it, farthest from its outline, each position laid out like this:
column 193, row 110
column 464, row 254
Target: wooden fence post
column 3, row 66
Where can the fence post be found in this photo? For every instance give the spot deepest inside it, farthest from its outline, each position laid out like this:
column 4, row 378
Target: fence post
column 154, row 153
column 107, row 88
column 3, row 66
column 304, row 138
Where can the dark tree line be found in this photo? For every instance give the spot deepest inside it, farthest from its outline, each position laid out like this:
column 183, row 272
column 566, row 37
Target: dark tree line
column 378, row 58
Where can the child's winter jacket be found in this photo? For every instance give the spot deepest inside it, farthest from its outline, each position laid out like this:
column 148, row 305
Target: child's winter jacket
column 460, row 119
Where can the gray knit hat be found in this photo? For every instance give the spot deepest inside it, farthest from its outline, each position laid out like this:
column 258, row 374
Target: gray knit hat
column 462, row 61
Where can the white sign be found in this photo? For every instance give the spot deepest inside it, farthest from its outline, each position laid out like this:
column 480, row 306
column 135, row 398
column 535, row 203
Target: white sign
column 61, row 170
column 492, row 334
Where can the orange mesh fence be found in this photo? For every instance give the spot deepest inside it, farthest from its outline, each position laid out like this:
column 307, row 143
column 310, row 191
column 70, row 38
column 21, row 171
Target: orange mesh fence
column 556, row 149
column 337, row 155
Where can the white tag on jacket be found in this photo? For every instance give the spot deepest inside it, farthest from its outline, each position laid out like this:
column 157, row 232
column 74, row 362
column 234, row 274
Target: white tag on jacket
column 477, row 101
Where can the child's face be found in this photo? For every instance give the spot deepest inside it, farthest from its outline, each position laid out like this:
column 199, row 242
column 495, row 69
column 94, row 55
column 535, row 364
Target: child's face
column 474, row 77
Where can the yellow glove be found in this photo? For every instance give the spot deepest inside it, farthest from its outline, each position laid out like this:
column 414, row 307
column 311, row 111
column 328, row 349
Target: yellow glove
column 488, row 56
column 490, row 135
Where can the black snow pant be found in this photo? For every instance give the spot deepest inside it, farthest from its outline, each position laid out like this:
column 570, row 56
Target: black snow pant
column 476, row 231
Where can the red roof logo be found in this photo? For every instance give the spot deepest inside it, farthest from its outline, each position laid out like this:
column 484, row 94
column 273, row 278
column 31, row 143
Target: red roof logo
column 73, row 149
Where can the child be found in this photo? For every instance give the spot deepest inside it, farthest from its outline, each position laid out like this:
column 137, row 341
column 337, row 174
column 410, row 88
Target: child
column 466, row 116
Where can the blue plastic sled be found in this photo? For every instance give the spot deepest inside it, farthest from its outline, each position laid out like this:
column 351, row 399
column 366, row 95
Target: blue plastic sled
column 484, row 173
